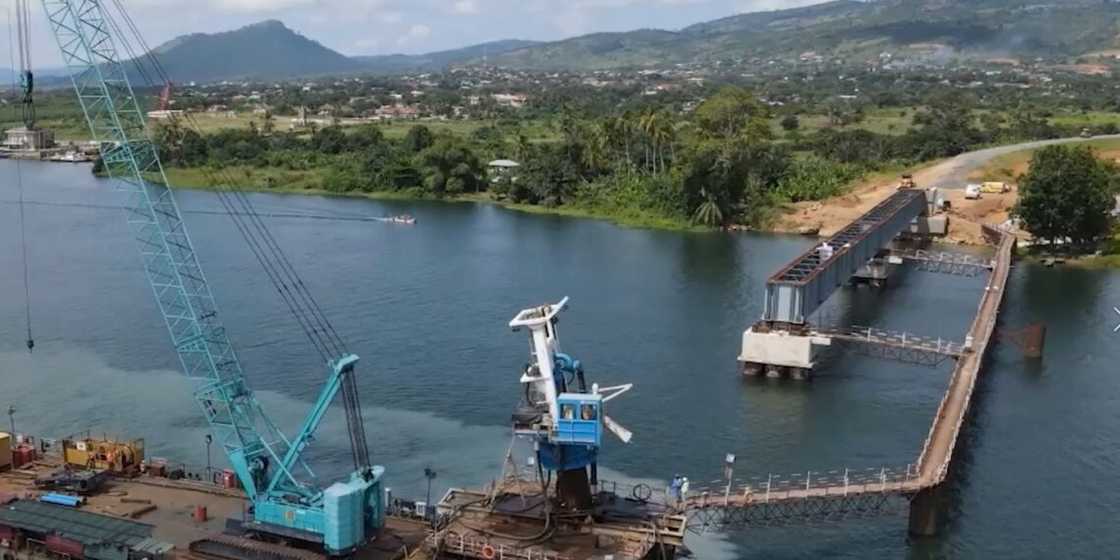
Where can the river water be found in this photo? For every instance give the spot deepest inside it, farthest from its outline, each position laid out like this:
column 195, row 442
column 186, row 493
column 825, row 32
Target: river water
column 426, row 307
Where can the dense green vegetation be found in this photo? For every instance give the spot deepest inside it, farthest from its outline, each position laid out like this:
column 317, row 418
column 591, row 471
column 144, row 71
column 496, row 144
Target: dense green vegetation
column 1067, row 196
column 725, row 163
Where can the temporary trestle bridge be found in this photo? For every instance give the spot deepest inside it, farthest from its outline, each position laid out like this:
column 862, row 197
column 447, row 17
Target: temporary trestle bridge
column 843, row 494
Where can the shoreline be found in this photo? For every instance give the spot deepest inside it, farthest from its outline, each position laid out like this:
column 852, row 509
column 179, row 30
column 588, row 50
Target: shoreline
column 182, row 179
column 778, row 224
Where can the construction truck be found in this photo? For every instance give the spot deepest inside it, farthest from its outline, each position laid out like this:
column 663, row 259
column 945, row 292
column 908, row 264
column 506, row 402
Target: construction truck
column 117, row 457
column 907, row 182
column 994, row 187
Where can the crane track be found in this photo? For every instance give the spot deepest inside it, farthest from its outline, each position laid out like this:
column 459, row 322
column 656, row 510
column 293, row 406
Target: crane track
column 225, row 547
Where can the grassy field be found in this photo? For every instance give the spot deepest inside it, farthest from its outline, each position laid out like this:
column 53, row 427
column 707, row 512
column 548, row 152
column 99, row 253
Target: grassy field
column 1087, row 119
column 1008, row 167
column 62, row 115
column 892, row 121
column 248, row 178
column 208, row 123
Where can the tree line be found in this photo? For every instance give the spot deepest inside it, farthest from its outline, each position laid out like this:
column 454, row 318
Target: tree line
column 722, row 163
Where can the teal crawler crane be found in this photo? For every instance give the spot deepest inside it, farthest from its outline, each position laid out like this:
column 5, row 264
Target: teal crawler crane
column 287, row 502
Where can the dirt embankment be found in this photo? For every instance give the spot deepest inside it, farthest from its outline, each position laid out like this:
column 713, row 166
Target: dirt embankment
column 965, row 218
column 950, row 176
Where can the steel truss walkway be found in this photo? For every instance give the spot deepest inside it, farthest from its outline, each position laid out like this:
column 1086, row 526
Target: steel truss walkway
column 837, row 495
column 894, row 345
column 947, row 263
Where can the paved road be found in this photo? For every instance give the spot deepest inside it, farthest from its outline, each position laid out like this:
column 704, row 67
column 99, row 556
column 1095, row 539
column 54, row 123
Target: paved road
column 953, row 173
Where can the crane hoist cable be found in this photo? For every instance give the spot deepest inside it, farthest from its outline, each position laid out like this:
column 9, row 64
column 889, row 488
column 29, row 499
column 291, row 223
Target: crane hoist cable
column 26, row 77
column 260, row 241
column 19, row 171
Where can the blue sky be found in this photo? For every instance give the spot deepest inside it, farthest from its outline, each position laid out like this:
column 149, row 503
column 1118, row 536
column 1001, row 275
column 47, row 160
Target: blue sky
column 413, row 26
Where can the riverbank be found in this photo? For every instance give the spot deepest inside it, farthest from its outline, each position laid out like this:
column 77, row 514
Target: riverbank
column 824, row 216
column 309, row 183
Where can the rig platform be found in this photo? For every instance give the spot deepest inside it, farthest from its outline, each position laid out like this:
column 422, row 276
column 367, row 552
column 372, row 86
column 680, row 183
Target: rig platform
column 515, row 522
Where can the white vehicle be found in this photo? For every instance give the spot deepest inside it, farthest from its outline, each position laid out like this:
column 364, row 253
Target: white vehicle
column 972, row 192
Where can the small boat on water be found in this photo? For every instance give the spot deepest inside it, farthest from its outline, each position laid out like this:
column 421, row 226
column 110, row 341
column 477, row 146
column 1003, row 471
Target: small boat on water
column 403, row 219
column 71, row 157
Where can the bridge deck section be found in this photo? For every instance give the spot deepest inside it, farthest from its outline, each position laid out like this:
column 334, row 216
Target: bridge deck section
column 799, row 288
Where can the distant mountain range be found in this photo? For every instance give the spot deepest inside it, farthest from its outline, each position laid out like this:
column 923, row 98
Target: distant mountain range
column 849, row 28
column 937, row 28
column 270, row 50
column 442, row 59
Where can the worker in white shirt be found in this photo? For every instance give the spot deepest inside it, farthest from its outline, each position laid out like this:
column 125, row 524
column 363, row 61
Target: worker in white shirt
column 825, row 251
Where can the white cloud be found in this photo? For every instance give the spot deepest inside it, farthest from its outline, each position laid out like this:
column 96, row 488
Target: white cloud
column 418, row 32
column 744, row 6
column 390, row 17
column 465, row 7
column 260, row 6
column 366, row 44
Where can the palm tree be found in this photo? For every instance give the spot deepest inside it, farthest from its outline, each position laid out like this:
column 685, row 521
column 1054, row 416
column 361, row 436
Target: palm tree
column 647, row 124
column 708, row 213
column 622, row 132
column 658, row 129
column 662, row 133
column 269, row 123
column 596, row 145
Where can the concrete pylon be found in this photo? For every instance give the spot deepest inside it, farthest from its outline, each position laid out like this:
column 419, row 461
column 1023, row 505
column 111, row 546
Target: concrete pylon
column 925, row 510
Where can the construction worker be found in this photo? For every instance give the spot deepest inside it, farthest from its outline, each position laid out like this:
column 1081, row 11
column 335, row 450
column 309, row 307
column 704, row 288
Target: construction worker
column 825, row 251
column 675, row 488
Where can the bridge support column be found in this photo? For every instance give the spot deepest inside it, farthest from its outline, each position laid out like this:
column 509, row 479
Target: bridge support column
column 924, row 512
column 877, row 270
column 780, row 353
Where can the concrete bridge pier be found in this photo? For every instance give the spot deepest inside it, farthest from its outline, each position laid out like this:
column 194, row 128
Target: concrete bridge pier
column 925, row 510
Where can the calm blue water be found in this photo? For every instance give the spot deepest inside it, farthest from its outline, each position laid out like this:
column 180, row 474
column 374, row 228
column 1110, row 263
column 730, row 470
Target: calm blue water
column 426, row 307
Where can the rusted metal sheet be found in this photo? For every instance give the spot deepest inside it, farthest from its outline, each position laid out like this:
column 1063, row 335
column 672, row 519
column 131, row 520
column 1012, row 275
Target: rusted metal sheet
column 63, row 545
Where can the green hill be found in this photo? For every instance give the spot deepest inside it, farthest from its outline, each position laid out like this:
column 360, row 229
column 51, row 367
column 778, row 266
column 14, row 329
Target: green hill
column 441, row 59
column 265, row 50
column 954, row 28
column 270, row 50
column 852, row 29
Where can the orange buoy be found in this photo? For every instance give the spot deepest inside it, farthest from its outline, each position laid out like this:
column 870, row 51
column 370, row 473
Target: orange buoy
column 200, row 514
column 488, row 552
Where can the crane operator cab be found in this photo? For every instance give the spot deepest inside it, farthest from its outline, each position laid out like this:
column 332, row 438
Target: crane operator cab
column 562, row 415
column 579, row 419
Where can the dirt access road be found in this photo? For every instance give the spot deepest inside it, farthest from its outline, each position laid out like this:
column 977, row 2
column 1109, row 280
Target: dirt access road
column 950, row 175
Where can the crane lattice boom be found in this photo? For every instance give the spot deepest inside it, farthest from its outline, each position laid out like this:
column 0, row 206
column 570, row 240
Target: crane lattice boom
column 340, row 517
